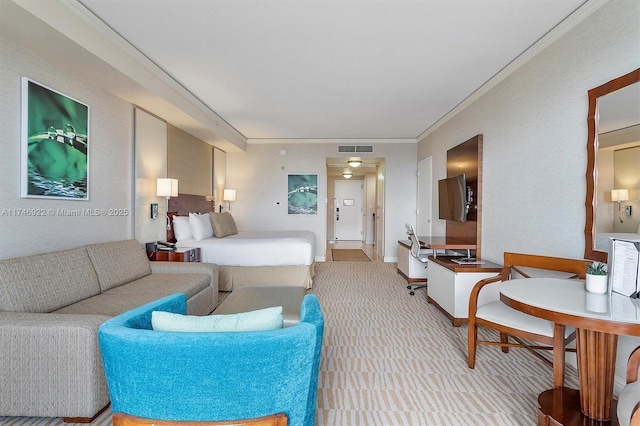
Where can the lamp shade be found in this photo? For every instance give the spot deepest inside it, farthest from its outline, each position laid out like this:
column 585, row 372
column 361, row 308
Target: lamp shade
column 354, row 163
column 619, row 195
column 347, row 174
column 167, row 187
column 229, row 195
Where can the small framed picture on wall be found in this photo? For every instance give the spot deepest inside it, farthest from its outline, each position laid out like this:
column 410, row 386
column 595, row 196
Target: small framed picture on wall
column 302, row 196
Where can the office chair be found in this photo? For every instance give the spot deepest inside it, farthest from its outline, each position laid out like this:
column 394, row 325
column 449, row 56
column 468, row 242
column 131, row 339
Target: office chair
column 421, row 255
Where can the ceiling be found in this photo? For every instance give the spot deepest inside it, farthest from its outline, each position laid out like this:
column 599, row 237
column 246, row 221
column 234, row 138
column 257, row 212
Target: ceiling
column 331, row 69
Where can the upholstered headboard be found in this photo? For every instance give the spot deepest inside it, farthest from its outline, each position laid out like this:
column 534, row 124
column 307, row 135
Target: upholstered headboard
column 182, row 205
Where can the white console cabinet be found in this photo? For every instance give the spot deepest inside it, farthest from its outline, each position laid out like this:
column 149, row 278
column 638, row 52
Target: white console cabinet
column 450, row 285
column 408, row 266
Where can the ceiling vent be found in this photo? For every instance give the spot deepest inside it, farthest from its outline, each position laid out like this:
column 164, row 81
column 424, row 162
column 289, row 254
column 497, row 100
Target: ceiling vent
column 355, row 148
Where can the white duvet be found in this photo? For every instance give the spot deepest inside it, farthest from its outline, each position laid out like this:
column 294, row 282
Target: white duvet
column 257, row 248
column 602, row 239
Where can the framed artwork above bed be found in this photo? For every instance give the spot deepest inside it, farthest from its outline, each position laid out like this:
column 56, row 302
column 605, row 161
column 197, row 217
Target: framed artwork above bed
column 302, row 194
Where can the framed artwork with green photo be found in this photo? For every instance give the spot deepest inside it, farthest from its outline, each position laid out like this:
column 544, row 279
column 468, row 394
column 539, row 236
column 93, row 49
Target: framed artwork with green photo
column 302, row 195
column 55, row 144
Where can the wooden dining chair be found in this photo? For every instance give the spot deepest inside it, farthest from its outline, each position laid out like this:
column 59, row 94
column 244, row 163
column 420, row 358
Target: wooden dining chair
column 491, row 313
column 123, row 419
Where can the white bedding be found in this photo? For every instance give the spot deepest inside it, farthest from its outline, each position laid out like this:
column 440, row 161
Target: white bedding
column 602, row 240
column 257, row 248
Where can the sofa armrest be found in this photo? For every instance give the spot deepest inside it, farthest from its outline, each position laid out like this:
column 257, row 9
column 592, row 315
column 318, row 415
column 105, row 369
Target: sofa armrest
column 161, row 267
column 50, row 365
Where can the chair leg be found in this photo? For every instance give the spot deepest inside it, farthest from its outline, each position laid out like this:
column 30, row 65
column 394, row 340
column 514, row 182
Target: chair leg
column 504, row 338
column 413, row 288
column 472, row 343
column 558, row 355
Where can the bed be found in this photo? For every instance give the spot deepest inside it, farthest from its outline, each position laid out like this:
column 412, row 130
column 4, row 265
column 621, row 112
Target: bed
column 248, row 258
column 602, row 239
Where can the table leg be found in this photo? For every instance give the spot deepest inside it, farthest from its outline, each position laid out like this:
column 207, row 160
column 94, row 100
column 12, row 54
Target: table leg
column 561, row 407
column 596, row 353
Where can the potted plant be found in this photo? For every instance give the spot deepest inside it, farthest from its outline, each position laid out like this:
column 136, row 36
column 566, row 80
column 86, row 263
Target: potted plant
column 597, row 278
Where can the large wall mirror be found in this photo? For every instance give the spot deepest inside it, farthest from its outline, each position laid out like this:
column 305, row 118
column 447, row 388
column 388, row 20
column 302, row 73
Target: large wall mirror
column 613, row 164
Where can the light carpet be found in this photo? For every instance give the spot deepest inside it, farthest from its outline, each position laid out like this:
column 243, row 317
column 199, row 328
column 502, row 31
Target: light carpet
column 349, row 255
column 389, row 359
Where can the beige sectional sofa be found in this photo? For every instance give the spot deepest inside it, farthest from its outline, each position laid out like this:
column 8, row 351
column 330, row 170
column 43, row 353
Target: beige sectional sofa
column 51, row 306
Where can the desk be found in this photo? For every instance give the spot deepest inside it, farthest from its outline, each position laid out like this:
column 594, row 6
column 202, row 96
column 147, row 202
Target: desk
column 450, row 285
column 408, row 266
column 598, row 320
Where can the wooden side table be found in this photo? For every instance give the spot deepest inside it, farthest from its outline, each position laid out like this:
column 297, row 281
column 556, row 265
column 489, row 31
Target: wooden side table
column 184, row 254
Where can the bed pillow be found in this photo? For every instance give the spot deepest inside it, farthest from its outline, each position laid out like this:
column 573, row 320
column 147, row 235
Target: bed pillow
column 181, row 228
column 258, row 320
column 200, row 226
column 223, row 224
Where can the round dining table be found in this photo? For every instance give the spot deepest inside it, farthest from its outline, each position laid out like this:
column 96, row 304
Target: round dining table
column 598, row 320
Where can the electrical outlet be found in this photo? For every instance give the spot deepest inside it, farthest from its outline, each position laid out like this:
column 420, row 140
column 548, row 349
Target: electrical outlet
column 627, row 210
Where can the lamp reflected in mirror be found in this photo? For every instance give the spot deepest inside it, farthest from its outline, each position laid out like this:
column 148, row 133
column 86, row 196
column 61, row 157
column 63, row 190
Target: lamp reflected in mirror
column 619, row 195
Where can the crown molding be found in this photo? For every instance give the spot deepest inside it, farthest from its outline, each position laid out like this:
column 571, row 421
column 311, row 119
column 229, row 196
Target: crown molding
column 540, row 45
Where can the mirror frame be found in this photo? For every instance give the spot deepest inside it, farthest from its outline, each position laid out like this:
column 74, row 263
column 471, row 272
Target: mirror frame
column 590, row 251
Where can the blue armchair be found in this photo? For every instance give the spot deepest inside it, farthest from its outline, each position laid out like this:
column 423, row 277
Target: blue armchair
column 212, row 376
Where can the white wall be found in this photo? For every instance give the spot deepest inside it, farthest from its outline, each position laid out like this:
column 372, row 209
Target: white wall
column 151, row 164
column 257, row 177
column 535, row 134
column 110, row 161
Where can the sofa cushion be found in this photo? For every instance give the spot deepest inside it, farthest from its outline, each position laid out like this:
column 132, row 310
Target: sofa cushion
column 108, row 304
column 258, row 320
column 45, row 282
column 144, row 290
column 119, row 262
column 165, row 284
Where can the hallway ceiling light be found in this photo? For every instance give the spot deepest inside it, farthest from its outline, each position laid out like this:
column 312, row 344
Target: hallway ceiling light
column 347, row 174
column 354, row 163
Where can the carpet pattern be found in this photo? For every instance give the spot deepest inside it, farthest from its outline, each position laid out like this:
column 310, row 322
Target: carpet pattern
column 392, row 359
column 349, row 255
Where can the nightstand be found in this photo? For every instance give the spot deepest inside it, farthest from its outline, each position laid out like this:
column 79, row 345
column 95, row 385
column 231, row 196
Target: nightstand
column 184, row 254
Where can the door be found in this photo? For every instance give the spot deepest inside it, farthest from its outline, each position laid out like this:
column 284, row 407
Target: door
column 423, row 216
column 380, row 210
column 348, row 210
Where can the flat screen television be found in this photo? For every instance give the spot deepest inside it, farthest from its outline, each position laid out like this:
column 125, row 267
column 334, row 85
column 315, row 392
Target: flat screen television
column 452, row 198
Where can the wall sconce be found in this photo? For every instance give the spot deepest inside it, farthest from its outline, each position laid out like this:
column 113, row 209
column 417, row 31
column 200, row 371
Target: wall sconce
column 354, row 163
column 167, row 187
column 347, row 174
column 229, row 196
column 619, row 195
